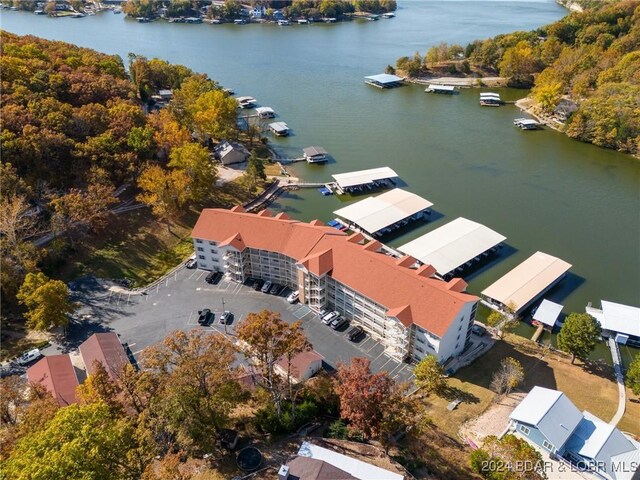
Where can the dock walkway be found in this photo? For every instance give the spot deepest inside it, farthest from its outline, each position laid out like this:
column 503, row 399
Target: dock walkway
column 537, row 333
column 622, row 395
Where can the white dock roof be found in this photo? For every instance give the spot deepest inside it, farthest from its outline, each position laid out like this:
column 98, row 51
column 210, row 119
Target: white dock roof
column 526, row 281
column 548, row 313
column 620, row 318
column 362, row 177
column 264, row 110
column 375, row 213
column 384, row 78
column 453, row 244
column 442, row 88
column 279, row 126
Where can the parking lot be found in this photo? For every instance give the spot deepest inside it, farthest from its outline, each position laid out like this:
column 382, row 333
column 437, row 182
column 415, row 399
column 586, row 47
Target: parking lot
column 173, row 304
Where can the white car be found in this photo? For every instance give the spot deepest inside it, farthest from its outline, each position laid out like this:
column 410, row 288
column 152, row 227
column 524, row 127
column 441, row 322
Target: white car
column 330, row 317
column 293, row 297
column 29, row 356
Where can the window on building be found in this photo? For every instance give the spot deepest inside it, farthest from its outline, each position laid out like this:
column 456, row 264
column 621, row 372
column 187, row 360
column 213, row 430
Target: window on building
column 198, row 241
column 200, row 249
column 214, row 251
column 212, row 243
column 547, row 445
column 524, row 430
column 201, row 257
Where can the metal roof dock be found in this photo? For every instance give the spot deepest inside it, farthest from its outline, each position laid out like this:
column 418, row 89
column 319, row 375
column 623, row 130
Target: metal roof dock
column 548, row 313
column 280, row 129
column 383, row 213
column 454, row 246
column 384, row 80
column 447, row 89
column 520, row 287
column 315, row 154
column 618, row 320
column 350, row 181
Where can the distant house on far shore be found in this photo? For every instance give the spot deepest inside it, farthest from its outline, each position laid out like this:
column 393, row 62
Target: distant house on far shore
column 231, row 152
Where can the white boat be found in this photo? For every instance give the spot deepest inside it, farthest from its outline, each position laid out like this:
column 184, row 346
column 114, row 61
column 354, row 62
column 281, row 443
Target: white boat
column 303, row 21
column 240, row 21
column 388, row 15
column 283, row 23
column 117, row 10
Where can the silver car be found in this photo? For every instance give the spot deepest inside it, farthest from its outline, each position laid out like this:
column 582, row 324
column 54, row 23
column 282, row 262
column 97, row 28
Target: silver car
column 330, row 317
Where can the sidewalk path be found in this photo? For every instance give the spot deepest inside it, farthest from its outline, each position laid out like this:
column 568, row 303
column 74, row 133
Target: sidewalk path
column 617, row 365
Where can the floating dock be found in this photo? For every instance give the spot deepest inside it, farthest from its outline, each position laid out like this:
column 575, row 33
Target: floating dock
column 386, row 212
column 445, row 89
column 526, row 124
column 384, row 80
column 364, row 179
column 455, row 246
column 279, row 129
column 315, row 154
column 527, row 282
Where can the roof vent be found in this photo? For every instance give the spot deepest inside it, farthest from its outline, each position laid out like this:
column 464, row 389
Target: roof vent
column 283, row 473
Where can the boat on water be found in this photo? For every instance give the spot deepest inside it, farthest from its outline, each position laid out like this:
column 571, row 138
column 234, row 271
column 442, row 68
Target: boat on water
column 117, row 10
column 283, row 23
column 240, row 21
column 246, row 102
column 303, row 21
column 39, row 11
column 388, row 15
column 143, row 19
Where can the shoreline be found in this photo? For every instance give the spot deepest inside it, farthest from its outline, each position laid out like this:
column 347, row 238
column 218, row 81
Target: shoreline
column 460, row 82
column 527, row 105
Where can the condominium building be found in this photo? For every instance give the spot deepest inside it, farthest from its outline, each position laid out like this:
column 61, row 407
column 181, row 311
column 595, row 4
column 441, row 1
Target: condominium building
column 396, row 300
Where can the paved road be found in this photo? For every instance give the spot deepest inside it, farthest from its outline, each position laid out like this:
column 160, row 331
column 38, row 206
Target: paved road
column 143, row 320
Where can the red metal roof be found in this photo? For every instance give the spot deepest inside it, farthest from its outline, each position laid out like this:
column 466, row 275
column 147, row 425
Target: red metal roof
column 105, row 348
column 56, row 374
column 430, row 303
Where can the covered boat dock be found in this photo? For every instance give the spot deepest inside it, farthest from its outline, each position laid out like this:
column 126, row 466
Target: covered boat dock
column 446, row 89
column 280, row 129
column 364, row 179
column 547, row 313
column 385, row 212
column 622, row 322
column 315, row 154
column 527, row 282
column 384, row 80
column 455, row 246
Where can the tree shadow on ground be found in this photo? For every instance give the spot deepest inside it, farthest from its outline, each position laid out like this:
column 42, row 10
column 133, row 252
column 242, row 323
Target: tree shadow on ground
column 453, row 393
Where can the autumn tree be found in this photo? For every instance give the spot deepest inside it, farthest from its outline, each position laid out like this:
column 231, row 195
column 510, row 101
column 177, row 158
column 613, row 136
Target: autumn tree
column 165, row 191
column 81, row 441
column 509, row 375
column 196, row 387
column 578, row 335
column 100, row 387
column 168, row 133
column 633, row 376
column 548, row 95
column 520, row 460
column 363, row 396
column 503, row 321
column 519, row 63
column 214, row 115
column 195, row 160
column 47, row 302
column 430, row 374
column 267, row 339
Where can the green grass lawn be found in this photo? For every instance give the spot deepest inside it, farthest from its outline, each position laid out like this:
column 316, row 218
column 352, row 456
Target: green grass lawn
column 590, row 388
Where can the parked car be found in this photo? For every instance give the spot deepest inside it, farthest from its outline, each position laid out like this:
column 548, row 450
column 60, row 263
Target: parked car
column 322, row 313
column 275, row 289
column 330, row 317
column 192, row 262
column 266, row 287
column 213, row 277
column 29, row 356
column 293, row 296
column 226, row 317
column 338, row 322
column 355, row 333
column 478, row 330
column 257, row 284
column 205, row 317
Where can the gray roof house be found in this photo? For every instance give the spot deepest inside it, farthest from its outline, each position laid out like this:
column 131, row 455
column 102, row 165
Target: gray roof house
column 550, row 420
column 231, row 152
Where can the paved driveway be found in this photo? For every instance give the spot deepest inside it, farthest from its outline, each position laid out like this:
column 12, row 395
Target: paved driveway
column 143, row 320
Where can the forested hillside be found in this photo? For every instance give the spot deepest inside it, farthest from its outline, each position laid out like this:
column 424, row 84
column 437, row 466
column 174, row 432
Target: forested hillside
column 591, row 58
column 75, row 128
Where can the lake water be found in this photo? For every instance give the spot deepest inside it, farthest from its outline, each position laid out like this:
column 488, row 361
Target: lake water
column 540, row 189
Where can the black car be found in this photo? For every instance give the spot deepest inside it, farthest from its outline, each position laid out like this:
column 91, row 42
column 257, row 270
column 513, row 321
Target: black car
column 257, row 285
column 355, row 333
column 338, row 323
column 213, row 278
column 275, row 289
column 205, row 317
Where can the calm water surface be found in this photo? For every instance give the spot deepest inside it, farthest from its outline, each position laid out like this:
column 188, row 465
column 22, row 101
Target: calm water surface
column 540, row 189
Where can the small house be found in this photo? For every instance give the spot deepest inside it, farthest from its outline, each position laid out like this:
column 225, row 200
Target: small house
column 231, row 152
column 166, row 95
column 57, row 375
column 302, row 367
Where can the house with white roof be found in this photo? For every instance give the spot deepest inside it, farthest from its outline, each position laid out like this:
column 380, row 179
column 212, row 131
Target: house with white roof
column 550, row 420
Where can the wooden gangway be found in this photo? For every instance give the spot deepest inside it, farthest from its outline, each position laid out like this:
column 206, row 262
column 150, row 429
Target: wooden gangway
column 537, row 333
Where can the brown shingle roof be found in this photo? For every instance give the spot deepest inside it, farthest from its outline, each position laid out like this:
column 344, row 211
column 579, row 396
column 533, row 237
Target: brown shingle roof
column 300, row 362
column 304, row 468
column 56, row 374
column 105, row 348
column 433, row 305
